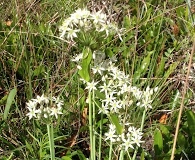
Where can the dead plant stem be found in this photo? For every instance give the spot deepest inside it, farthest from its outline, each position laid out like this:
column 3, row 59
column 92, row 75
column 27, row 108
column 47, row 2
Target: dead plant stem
column 182, row 101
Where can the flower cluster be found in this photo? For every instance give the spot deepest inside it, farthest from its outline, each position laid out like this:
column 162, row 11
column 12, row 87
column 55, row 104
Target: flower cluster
column 44, row 107
column 127, row 139
column 118, row 95
column 84, row 20
column 117, row 88
column 146, row 98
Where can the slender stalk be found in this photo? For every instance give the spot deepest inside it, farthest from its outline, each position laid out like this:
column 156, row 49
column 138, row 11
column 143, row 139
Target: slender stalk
column 100, row 137
column 182, row 101
column 110, row 151
column 141, row 129
column 93, row 105
column 90, row 127
column 51, row 141
column 121, row 154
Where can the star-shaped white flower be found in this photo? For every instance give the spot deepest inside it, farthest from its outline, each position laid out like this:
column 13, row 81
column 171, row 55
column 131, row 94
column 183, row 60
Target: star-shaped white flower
column 91, row 85
column 55, row 111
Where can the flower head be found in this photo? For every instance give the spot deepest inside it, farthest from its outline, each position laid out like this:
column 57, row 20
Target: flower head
column 44, row 107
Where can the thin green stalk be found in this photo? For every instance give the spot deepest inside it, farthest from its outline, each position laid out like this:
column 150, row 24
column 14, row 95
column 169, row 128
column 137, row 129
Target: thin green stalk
column 110, row 151
column 30, row 83
column 51, row 141
column 154, row 56
column 90, row 126
column 141, row 129
column 93, row 104
column 100, row 137
column 121, row 154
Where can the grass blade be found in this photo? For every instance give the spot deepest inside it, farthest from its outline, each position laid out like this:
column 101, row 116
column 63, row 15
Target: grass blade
column 10, row 99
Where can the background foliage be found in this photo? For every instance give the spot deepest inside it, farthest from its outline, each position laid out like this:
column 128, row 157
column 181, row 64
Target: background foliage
column 34, row 60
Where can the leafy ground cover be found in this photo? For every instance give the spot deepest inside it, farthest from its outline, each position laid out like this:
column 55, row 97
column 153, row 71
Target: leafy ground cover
column 97, row 80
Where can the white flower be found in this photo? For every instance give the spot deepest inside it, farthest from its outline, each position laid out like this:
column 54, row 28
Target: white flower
column 46, row 112
column 77, row 57
column 125, row 88
column 112, row 127
column 104, row 77
column 155, row 89
column 57, row 101
column 136, row 92
column 146, row 103
column 109, row 98
column 98, row 17
column 111, row 67
column 65, row 25
column 136, row 139
column 105, row 88
column 72, row 33
column 125, row 102
column 79, row 15
column 31, row 104
column 91, row 86
column 98, row 69
column 127, row 143
column 75, row 17
column 41, row 99
column 111, row 134
column 104, row 109
column 32, row 112
column 85, row 13
column 84, row 81
column 105, row 28
column 115, row 106
column 55, row 111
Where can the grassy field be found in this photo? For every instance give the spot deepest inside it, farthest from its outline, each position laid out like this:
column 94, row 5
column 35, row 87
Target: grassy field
column 110, row 80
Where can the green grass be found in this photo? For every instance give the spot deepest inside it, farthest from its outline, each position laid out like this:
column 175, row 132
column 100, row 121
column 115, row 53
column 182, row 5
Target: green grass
column 34, row 60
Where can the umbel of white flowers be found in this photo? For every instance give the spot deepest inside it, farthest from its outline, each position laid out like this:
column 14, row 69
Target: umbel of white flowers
column 44, row 107
column 84, row 20
column 119, row 96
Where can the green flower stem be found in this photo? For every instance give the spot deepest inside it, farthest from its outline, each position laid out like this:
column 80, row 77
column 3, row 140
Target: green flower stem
column 51, row 141
column 91, row 127
column 100, row 137
column 94, row 150
column 121, row 154
column 110, row 151
column 141, row 129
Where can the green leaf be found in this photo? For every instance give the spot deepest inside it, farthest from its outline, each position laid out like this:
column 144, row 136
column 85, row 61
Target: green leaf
column 115, row 121
column 160, row 68
column 144, row 66
column 29, row 147
column 103, row 121
column 108, row 52
column 80, row 154
column 85, row 71
column 66, row 158
column 142, row 155
column 127, row 22
column 3, row 100
column 191, row 125
column 39, row 70
column 158, row 142
column 181, row 140
column 10, row 99
column 165, row 130
column 170, row 70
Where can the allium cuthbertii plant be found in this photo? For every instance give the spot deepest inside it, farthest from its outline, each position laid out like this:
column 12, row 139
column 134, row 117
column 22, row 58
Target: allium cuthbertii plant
column 110, row 92
column 47, row 110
